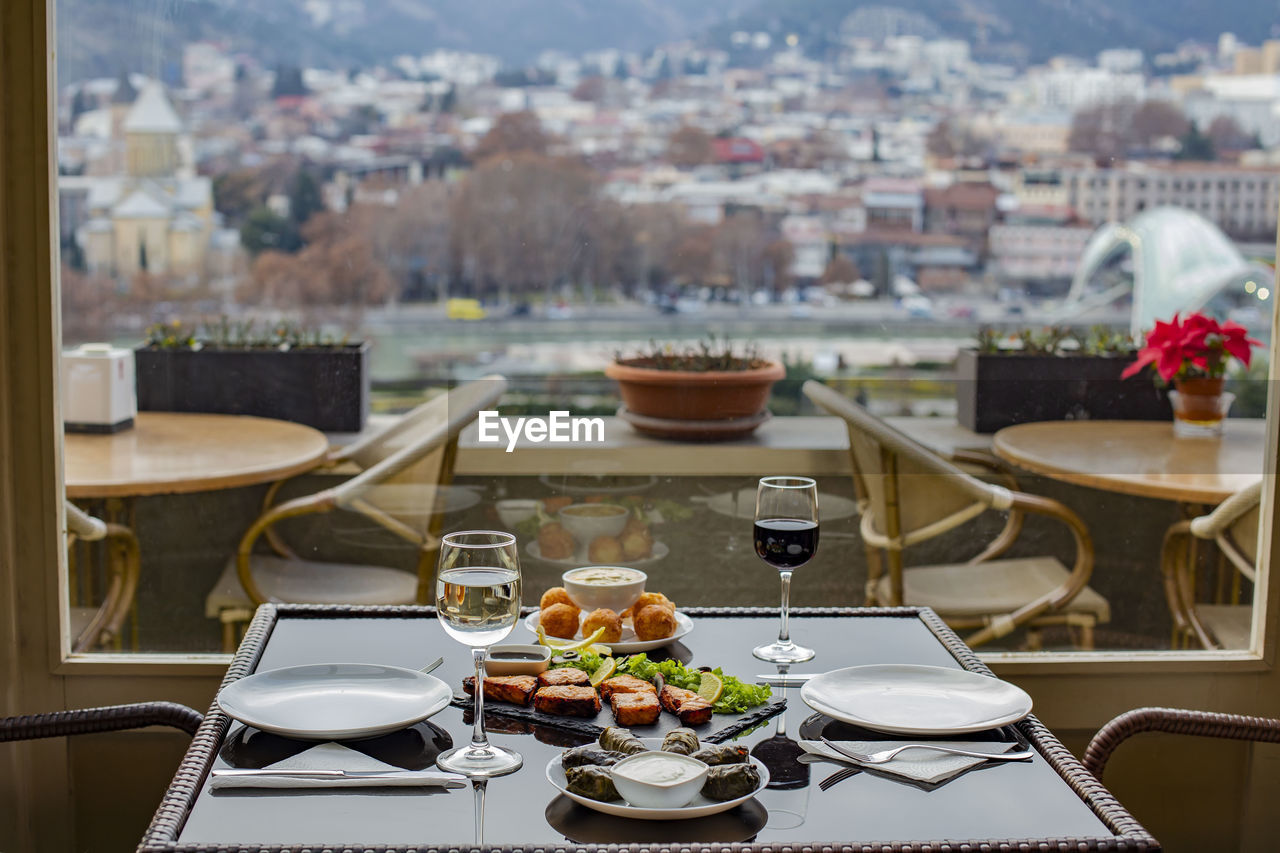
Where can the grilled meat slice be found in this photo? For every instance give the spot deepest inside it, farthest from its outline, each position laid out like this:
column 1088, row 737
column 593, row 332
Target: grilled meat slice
column 567, row 675
column 567, row 701
column 625, row 684
column 636, row 709
column 516, row 689
column 692, row 709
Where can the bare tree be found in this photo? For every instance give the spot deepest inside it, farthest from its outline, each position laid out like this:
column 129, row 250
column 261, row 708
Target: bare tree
column 779, row 255
column 1154, row 121
column 840, row 270
column 689, row 147
column 740, row 242
column 1227, row 135
column 513, row 133
column 1110, row 131
column 953, row 138
column 1102, row 130
column 522, row 222
column 693, row 258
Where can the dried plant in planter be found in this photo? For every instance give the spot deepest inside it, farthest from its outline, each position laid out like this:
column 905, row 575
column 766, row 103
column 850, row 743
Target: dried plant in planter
column 711, row 354
column 706, row 391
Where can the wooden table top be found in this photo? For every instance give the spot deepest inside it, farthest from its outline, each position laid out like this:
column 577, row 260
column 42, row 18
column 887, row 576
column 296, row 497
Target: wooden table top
column 171, row 453
column 1141, row 458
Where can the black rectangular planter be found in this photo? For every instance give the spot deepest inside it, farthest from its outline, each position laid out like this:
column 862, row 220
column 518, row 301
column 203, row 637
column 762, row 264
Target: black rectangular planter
column 996, row 390
column 323, row 387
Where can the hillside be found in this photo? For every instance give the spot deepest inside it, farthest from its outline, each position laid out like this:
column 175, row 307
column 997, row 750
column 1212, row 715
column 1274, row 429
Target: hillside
column 100, row 37
column 1020, row 30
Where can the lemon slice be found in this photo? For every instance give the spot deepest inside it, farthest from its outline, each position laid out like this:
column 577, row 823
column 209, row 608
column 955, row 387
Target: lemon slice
column 607, row 668
column 569, row 645
column 711, row 687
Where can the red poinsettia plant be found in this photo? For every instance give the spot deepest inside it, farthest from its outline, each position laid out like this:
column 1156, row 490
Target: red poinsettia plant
column 1194, row 347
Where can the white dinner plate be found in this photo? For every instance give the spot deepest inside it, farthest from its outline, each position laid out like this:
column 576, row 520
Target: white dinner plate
column 334, row 701
column 700, row 807
column 742, row 504
column 629, row 645
column 916, row 700
column 602, row 484
column 581, row 558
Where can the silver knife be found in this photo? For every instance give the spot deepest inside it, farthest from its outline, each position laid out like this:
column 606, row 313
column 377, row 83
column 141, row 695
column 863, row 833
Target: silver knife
column 445, row 780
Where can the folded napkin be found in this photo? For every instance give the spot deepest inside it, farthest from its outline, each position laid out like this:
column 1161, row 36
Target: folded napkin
column 334, row 756
column 918, row 764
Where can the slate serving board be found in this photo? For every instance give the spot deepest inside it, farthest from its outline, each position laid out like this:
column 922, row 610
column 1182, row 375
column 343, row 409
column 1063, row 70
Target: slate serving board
column 722, row 727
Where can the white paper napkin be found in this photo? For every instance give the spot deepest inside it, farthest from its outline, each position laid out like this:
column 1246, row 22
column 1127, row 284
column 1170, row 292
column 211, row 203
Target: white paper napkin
column 921, row 765
column 334, row 756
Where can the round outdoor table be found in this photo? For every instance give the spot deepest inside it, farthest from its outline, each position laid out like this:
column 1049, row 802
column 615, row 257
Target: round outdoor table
column 1141, row 458
column 169, row 453
column 173, row 453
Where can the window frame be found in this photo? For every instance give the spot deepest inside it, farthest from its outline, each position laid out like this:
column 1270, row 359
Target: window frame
column 28, row 155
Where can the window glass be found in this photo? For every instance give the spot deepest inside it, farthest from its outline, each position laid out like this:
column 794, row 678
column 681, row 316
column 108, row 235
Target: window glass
column 326, row 215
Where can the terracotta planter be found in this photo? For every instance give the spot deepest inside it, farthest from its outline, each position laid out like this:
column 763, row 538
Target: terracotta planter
column 673, row 395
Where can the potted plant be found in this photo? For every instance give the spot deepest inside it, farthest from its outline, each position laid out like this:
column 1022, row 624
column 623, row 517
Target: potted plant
column 282, row 372
column 1192, row 353
column 707, row 391
column 1053, row 374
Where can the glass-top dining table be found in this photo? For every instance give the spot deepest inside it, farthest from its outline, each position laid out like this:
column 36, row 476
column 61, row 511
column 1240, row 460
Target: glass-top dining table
column 1047, row 803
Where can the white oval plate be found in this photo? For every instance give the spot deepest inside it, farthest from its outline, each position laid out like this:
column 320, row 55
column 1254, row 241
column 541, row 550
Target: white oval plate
column 742, row 504
column 629, row 645
column 659, row 551
column 700, row 807
column 334, row 701
column 916, row 700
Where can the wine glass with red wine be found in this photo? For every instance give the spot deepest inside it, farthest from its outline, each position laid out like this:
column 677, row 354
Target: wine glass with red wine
column 786, row 537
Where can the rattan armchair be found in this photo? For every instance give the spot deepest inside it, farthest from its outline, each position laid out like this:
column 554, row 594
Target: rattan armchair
column 1233, row 527
column 101, row 627
column 401, row 471
column 907, row 495
column 1174, row 721
column 106, row 719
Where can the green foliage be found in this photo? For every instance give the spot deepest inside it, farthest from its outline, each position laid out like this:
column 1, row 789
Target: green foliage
column 305, row 199
column 711, row 354
column 787, row 398
column 288, row 82
column 737, row 696
column 225, row 333
column 1195, row 145
column 264, row 229
column 1057, row 340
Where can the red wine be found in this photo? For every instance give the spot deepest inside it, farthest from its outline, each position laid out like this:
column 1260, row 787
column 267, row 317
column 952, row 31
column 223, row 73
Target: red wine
column 786, row 543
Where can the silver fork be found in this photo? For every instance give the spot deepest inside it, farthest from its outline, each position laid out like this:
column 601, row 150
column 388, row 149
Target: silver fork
column 887, row 755
column 838, row 777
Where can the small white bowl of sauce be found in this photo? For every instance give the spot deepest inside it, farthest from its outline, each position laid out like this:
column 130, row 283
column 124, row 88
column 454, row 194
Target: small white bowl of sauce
column 613, row 587
column 586, row 522
column 517, row 659
column 659, row 780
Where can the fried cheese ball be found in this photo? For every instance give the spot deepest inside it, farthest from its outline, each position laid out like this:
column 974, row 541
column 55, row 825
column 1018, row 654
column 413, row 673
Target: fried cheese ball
column 560, row 620
column 655, row 622
column 603, row 618
column 555, row 595
column 645, row 599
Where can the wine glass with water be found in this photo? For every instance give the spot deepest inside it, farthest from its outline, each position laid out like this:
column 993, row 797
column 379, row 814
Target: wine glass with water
column 786, row 537
column 478, row 602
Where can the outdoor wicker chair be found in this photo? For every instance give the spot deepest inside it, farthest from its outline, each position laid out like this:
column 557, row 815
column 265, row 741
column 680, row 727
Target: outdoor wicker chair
column 106, row 719
column 402, row 470
column 101, row 626
column 1174, row 721
column 1233, row 527
column 907, row 494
